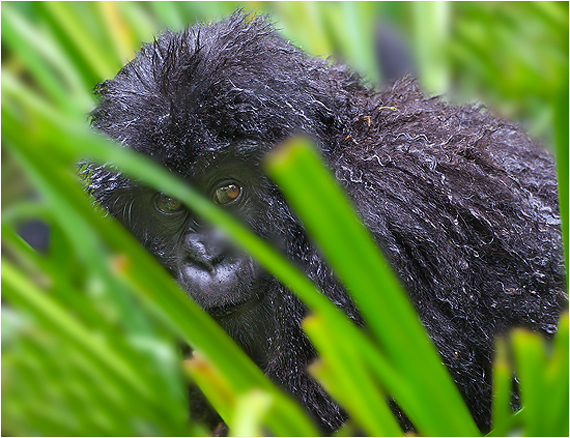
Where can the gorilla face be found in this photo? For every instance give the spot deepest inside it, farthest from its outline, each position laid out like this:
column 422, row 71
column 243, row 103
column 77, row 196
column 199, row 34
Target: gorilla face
column 214, row 272
column 219, row 276
column 464, row 205
column 208, row 104
column 223, row 279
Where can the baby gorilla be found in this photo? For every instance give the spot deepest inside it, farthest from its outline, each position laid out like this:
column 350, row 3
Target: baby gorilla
column 463, row 205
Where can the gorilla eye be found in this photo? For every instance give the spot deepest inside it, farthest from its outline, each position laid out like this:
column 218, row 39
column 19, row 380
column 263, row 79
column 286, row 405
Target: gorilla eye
column 226, row 194
column 166, row 204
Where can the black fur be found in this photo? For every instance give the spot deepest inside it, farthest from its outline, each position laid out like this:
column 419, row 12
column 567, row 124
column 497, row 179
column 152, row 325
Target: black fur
column 463, row 205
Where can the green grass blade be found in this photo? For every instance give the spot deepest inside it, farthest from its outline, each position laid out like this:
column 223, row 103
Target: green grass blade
column 557, row 380
column 22, row 292
column 502, row 377
column 430, row 31
column 530, row 364
column 44, row 62
column 562, row 146
column 249, row 413
column 347, row 378
column 69, row 20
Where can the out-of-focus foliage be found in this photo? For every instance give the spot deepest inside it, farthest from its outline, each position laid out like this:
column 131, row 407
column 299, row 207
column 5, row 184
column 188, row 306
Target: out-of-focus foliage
column 90, row 324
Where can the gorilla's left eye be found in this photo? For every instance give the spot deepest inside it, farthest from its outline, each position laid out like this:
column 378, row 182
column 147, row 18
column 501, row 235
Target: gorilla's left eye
column 226, row 194
column 166, row 204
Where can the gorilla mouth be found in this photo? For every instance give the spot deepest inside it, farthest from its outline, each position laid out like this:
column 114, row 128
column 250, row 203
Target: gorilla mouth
column 223, row 289
column 231, row 309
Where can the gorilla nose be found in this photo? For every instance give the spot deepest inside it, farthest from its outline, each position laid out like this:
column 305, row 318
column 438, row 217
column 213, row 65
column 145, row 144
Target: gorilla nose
column 204, row 251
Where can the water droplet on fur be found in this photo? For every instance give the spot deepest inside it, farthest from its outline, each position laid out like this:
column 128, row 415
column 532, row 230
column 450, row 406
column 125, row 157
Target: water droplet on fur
column 550, row 329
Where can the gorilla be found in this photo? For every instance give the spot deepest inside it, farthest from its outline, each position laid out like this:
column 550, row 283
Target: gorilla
column 463, row 204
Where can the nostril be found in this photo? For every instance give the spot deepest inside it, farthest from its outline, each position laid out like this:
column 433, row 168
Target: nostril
column 203, row 252
column 201, row 263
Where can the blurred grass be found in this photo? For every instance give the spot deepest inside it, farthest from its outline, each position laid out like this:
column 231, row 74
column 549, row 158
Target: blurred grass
column 89, row 328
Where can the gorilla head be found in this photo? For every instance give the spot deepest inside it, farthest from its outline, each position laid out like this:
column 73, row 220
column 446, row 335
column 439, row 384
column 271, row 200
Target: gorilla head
column 463, row 205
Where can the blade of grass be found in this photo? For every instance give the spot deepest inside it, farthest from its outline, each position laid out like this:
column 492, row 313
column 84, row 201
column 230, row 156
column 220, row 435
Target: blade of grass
column 83, row 306
column 350, row 25
column 313, row 39
column 70, row 22
column 214, row 385
column 169, row 14
column 530, row 365
column 431, row 25
column 218, row 390
column 45, row 62
column 249, row 412
column 557, row 380
column 350, row 382
column 19, row 289
column 58, row 376
column 562, row 146
column 502, row 377
column 138, row 20
column 117, row 33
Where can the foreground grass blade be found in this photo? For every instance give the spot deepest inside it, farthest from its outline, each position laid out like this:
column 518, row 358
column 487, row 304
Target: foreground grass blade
column 346, row 376
column 502, row 376
column 386, row 309
column 562, row 157
column 249, row 413
column 68, row 18
column 558, row 379
column 21, row 290
column 531, row 363
column 543, row 373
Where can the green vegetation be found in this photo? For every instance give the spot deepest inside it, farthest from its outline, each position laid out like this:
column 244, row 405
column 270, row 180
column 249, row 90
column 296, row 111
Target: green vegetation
column 90, row 327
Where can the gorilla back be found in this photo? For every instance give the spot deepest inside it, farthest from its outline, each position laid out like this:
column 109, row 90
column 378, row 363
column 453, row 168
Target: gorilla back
column 463, row 205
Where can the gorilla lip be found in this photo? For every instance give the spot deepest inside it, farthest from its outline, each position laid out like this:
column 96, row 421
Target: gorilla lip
column 210, row 267
column 230, row 309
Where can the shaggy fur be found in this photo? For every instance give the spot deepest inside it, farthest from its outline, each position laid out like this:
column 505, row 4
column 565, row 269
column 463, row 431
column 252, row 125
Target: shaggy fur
column 463, row 205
